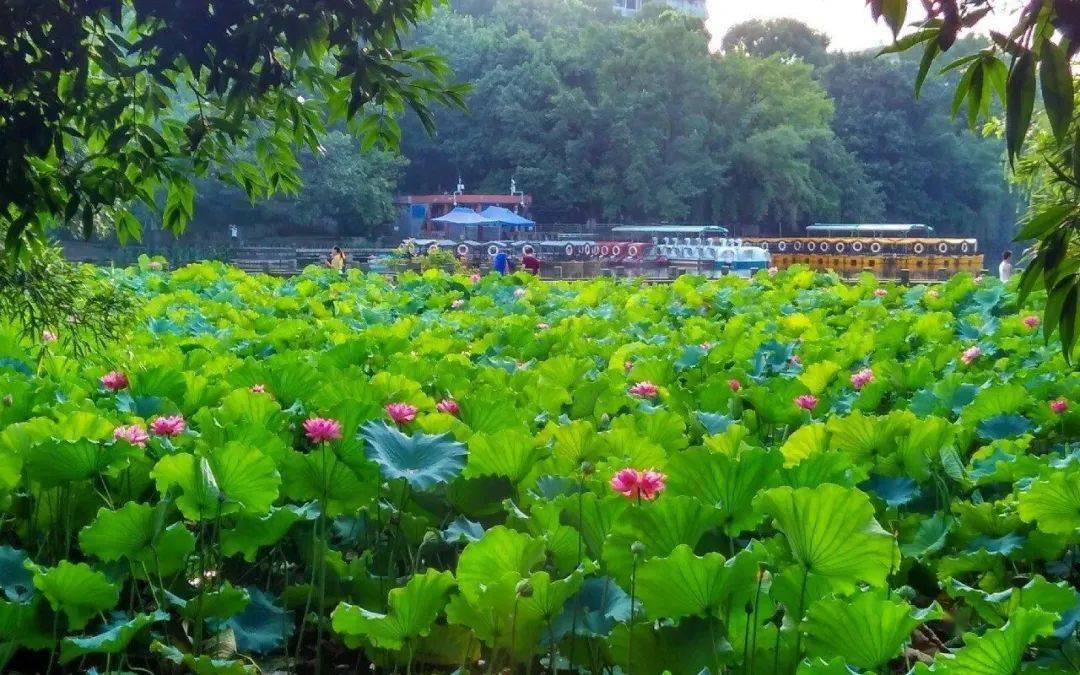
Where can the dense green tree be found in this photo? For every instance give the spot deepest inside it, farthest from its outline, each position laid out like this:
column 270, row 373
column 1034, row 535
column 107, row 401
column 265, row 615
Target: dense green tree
column 787, row 37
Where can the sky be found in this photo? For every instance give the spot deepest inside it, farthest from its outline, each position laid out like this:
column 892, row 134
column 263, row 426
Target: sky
column 847, row 22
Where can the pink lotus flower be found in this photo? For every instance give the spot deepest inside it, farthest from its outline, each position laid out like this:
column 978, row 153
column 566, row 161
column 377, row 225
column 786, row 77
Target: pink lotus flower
column 321, row 429
column 970, row 354
column 932, row 294
column 862, row 378
column 645, row 389
column 628, row 365
column 48, row 337
column 475, row 278
column 651, row 483
column 806, row 401
column 880, row 292
column 1059, row 406
column 1031, row 321
column 133, row 434
column 633, row 484
column 773, row 271
column 519, row 292
column 734, row 384
column 114, row 380
column 168, row 426
column 448, row 406
column 543, row 326
column 795, row 358
column 457, row 304
column 706, row 346
column 401, row 413
column 258, row 389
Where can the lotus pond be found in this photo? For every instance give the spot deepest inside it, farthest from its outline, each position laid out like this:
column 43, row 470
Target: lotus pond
column 325, row 474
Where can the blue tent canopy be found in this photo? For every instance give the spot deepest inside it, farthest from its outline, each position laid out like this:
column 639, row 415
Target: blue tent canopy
column 463, row 215
column 507, row 217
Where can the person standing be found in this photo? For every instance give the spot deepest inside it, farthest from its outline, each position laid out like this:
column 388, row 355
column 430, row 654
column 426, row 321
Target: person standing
column 337, row 260
column 501, row 263
column 531, row 263
column 1005, row 269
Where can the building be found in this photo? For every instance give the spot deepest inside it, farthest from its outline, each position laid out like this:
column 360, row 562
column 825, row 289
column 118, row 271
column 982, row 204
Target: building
column 417, row 211
column 631, row 7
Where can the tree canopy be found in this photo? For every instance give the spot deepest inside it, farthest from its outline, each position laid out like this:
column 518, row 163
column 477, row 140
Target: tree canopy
column 105, row 103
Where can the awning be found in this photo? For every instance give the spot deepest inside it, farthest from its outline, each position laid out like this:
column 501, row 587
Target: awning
column 463, row 215
column 507, row 217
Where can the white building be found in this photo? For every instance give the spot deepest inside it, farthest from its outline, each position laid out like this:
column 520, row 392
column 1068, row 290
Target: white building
column 631, row 7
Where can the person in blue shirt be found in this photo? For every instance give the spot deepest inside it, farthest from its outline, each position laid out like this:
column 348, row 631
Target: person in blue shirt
column 501, row 264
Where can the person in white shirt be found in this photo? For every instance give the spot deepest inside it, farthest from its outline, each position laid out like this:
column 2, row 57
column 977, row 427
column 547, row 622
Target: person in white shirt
column 1005, row 268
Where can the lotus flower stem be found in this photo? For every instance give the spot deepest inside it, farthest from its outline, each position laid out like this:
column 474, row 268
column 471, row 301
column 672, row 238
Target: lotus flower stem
column 321, row 570
column 757, row 607
column 799, row 616
column 552, row 664
column 633, row 596
column 580, row 552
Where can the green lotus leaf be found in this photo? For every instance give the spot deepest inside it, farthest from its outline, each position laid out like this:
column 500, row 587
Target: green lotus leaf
column 202, row 665
column 832, row 532
column 998, row 651
column 1053, row 503
column 863, row 436
column 1004, row 426
column 262, row 626
column 501, row 552
column 413, row 609
column 727, row 482
column 56, row 462
column 76, row 590
column 867, row 631
column 661, row 526
column 593, row 516
column 226, row 480
column 691, row 648
column 817, row 376
column 113, row 638
column 994, row 608
column 221, row 603
column 422, row 461
column 134, row 532
column 463, row 530
column 683, row 584
column 832, row 466
column 25, row 624
column 663, row 427
column 819, row 666
column 324, row 477
column 251, row 533
column 511, row 453
column 930, row 537
column 806, row 441
column 515, row 613
column 895, row 491
column 573, row 443
column 16, row 580
column 594, row 610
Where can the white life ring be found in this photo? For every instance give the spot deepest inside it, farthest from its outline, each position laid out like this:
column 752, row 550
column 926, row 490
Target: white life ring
column 493, row 250
column 463, row 249
column 875, row 247
column 569, row 249
column 434, row 248
column 605, row 249
column 857, row 246
column 528, row 249
column 824, row 246
column 797, row 246
column 633, row 250
column 964, row 247
column 811, row 246
column 943, row 247
column 840, row 247
column 782, row 246
column 616, row 250
column 918, row 247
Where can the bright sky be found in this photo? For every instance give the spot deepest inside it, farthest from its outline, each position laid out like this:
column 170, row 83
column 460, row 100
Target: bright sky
column 847, row 22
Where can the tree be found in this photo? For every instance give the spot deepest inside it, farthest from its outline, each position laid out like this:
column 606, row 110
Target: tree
column 1034, row 56
column 787, row 37
column 104, row 103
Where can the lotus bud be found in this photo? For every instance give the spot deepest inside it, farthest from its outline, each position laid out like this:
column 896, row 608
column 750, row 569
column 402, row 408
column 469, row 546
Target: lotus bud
column 587, row 469
column 431, row 537
column 524, row 588
column 749, row 609
column 777, row 619
column 604, row 419
column 8, row 401
column 637, row 548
